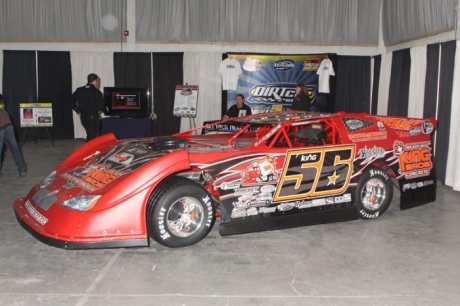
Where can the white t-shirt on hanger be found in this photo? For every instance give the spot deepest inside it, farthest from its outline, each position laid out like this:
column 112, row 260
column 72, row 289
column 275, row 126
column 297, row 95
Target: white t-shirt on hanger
column 230, row 69
column 324, row 71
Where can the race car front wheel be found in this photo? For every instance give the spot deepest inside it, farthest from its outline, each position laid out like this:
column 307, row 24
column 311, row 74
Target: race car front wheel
column 374, row 193
column 180, row 212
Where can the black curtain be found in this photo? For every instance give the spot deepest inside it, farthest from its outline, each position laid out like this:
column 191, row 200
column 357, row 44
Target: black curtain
column 55, row 86
column 398, row 99
column 431, row 80
column 446, row 78
column 375, row 85
column 353, row 87
column 19, row 83
column 167, row 73
column 132, row 69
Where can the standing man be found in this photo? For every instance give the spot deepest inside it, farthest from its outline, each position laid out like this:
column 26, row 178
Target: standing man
column 239, row 109
column 88, row 101
column 7, row 136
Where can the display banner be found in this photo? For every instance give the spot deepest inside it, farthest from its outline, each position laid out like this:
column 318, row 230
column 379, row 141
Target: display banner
column 185, row 100
column 36, row 114
column 268, row 81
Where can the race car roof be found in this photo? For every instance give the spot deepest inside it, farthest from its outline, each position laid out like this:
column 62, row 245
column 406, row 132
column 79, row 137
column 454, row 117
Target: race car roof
column 275, row 118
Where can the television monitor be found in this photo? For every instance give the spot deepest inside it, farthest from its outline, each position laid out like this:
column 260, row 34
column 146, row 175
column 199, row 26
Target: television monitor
column 127, row 101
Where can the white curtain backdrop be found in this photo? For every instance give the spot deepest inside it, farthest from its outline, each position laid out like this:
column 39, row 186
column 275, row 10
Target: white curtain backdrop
column 453, row 162
column 201, row 69
column 84, row 63
column 384, row 85
column 417, row 81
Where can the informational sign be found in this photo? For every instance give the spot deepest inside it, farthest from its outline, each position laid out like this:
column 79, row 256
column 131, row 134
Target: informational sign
column 185, row 100
column 36, row 114
column 268, row 82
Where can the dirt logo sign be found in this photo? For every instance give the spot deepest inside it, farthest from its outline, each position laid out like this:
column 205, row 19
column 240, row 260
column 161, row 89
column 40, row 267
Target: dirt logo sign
column 414, row 159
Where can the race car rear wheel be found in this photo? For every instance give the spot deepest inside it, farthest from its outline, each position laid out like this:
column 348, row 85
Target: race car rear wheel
column 180, row 212
column 374, row 193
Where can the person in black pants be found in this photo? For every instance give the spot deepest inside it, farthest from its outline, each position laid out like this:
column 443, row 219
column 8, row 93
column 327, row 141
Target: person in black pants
column 87, row 102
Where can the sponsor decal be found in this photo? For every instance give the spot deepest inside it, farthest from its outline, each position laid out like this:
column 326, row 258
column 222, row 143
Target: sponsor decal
column 311, row 64
column 252, row 211
column 343, row 199
column 408, row 127
column 416, row 185
column 94, row 177
column 161, row 225
column 260, row 171
column 375, row 152
column 414, row 131
column 368, row 136
column 354, row 125
column 367, row 215
column 375, row 172
column 267, row 188
column 122, row 158
column 303, row 204
column 427, row 127
column 381, row 126
column 208, row 203
column 267, row 210
column 252, row 64
column 239, row 213
column 285, row 206
column 428, row 183
column 227, row 186
column 247, row 190
column 270, row 93
column 284, row 65
column 268, row 135
column 315, row 172
column 400, row 123
column 318, row 202
column 35, row 214
column 414, row 158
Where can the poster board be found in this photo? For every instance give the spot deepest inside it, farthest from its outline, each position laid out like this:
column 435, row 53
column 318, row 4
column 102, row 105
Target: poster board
column 185, row 100
column 268, row 81
column 36, row 114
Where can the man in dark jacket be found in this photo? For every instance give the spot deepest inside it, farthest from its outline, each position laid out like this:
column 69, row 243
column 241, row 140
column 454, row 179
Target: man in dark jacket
column 87, row 102
column 7, row 136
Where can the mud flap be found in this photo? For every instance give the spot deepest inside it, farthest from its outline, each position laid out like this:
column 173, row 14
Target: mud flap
column 418, row 197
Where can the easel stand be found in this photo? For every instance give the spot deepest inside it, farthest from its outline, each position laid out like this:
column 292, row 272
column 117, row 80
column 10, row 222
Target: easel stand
column 36, row 136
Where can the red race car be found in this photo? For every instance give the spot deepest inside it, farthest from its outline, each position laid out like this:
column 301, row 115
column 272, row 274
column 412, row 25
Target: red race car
column 260, row 172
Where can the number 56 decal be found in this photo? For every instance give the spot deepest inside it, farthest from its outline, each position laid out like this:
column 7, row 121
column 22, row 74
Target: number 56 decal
column 315, row 172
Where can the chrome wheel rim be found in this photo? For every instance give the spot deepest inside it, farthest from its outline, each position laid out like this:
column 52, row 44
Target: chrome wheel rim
column 185, row 217
column 373, row 194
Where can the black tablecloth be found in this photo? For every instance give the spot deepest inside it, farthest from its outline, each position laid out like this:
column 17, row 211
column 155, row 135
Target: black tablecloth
column 129, row 127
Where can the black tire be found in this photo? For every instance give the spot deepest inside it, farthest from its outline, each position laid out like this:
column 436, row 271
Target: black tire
column 180, row 212
column 374, row 193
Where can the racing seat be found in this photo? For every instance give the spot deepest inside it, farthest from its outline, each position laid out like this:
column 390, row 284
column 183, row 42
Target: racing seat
column 315, row 134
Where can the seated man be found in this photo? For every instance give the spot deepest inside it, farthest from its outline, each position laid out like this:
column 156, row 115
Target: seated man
column 239, row 109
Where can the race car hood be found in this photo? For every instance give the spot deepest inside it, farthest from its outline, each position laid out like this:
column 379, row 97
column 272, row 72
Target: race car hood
column 133, row 165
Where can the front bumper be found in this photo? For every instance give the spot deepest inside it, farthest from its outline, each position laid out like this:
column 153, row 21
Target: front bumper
column 29, row 223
